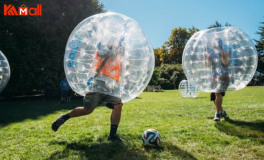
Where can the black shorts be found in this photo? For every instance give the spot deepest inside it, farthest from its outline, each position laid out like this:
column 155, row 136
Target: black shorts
column 94, row 99
column 213, row 96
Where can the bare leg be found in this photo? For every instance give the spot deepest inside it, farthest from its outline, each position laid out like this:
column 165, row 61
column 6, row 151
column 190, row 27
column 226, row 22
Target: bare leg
column 77, row 112
column 116, row 114
column 115, row 119
column 218, row 102
column 80, row 111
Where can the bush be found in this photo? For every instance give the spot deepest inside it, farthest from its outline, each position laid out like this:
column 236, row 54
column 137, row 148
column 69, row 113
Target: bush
column 168, row 76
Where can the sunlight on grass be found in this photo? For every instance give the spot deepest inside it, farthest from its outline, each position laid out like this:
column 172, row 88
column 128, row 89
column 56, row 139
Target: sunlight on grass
column 185, row 125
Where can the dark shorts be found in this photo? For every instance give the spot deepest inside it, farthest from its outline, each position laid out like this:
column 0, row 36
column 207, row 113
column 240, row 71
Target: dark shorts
column 220, row 84
column 94, row 99
column 213, row 95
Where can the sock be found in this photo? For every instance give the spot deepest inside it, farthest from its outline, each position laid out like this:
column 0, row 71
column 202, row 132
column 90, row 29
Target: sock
column 66, row 116
column 113, row 129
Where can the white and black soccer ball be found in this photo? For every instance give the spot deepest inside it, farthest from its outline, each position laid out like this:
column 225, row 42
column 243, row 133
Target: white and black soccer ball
column 151, row 137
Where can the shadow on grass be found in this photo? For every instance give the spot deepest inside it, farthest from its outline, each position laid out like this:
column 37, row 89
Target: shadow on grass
column 19, row 110
column 101, row 150
column 243, row 129
column 201, row 97
column 83, row 149
column 175, row 151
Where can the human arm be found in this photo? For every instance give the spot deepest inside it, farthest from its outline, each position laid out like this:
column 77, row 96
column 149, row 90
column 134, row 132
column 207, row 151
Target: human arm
column 224, row 54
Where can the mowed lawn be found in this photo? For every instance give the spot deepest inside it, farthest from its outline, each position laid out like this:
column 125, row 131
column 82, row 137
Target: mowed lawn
column 185, row 125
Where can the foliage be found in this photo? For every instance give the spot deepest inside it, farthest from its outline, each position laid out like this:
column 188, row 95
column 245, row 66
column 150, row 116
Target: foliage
column 192, row 30
column 155, row 77
column 35, row 46
column 217, row 24
column 171, row 51
column 260, row 42
column 164, row 54
column 157, row 55
column 260, row 49
column 170, row 76
column 168, row 72
column 177, row 41
column 257, row 80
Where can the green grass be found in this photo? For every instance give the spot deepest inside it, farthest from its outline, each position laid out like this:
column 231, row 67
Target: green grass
column 185, row 125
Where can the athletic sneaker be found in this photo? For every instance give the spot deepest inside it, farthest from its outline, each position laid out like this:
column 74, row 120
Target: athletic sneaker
column 217, row 117
column 223, row 114
column 56, row 124
column 115, row 137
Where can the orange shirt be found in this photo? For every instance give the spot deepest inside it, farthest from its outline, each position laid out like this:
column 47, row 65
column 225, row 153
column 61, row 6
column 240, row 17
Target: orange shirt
column 112, row 67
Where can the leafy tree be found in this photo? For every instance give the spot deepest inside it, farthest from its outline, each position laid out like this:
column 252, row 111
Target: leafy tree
column 164, row 53
column 157, row 57
column 35, row 45
column 177, row 41
column 172, row 50
column 260, row 49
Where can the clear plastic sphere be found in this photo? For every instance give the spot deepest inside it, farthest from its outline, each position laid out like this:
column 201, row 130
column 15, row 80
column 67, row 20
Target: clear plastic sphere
column 187, row 90
column 109, row 53
column 4, row 71
column 219, row 59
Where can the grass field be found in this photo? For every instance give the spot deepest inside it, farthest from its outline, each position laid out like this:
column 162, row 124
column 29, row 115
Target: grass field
column 185, row 125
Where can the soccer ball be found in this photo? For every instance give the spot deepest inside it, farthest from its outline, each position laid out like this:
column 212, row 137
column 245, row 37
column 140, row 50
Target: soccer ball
column 151, row 137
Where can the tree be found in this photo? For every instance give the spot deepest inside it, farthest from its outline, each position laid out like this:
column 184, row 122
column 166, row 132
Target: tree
column 260, row 49
column 177, row 41
column 192, row 30
column 217, row 24
column 35, row 46
column 157, row 55
column 164, row 53
column 172, row 50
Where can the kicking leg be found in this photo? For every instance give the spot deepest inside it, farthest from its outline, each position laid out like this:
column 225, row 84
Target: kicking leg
column 77, row 112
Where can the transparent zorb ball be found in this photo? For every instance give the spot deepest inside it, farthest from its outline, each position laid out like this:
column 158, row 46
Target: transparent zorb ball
column 187, row 90
column 4, row 71
column 219, row 59
column 109, row 53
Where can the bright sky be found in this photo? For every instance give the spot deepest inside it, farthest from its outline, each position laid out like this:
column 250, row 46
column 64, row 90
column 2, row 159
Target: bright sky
column 159, row 17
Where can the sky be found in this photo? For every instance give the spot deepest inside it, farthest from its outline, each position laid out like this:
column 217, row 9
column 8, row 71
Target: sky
column 158, row 17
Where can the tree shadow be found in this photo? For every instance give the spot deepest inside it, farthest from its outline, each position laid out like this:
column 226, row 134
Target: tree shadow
column 242, row 129
column 175, row 151
column 100, row 151
column 20, row 109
